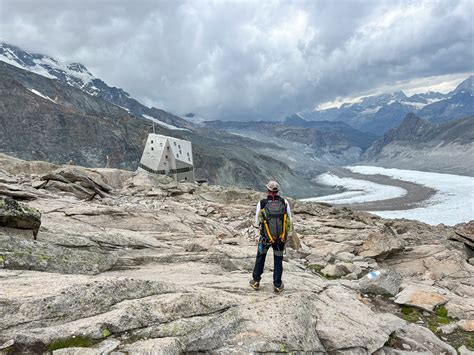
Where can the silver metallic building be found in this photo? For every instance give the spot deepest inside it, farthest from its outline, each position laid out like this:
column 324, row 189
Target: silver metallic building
column 168, row 156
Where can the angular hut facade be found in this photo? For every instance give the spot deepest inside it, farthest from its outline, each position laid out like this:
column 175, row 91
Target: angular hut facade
column 168, row 156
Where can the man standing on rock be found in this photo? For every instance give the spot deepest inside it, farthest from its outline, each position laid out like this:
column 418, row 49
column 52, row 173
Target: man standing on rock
column 273, row 218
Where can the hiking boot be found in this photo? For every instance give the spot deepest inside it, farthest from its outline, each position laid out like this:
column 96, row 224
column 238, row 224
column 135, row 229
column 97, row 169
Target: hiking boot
column 278, row 290
column 254, row 284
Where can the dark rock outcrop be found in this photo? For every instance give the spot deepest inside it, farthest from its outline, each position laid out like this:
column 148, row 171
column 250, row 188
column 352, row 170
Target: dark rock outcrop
column 15, row 214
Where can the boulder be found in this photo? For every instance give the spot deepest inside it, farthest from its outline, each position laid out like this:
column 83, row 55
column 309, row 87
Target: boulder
column 464, row 232
column 345, row 256
column 78, row 181
column 424, row 298
column 380, row 246
column 381, row 282
column 466, row 325
column 15, row 214
column 335, row 270
column 16, row 191
column 294, row 241
column 421, row 339
column 463, row 350
column 164, row 346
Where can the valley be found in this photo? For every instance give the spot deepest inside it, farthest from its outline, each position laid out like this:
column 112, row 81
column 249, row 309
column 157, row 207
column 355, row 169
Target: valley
column 66, row 100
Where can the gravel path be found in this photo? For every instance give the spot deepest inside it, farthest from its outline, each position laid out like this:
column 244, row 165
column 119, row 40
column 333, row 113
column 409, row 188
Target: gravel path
column 415, row 196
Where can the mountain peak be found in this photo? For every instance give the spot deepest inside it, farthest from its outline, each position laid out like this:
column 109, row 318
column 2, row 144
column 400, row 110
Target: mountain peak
column 74, row 74
column 78, row 67
column 466, row 86
column 411, row 127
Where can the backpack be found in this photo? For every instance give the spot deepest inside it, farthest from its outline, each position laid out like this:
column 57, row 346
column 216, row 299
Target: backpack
column 274, row 220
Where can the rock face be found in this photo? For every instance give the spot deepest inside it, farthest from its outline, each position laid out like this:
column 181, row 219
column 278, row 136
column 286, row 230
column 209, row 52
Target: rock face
column 421, row 298
column 380, row 246
column 421, row 145
column 381, row 282
column 18, row 215
column 155, row 266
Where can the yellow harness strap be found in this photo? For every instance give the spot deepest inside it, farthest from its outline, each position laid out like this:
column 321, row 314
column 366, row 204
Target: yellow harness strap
column 282, row 236
column 283, row 233
column 272, row 240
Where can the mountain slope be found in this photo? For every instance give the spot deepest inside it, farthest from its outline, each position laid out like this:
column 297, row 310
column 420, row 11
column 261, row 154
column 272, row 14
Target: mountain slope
column 42, row 118
column 418, row 144
column 309, row 145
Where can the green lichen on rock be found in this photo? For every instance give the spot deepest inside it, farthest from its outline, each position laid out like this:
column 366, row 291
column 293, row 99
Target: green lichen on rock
column 73, row 342
column 410, row 314
column 439, row 318
column 441, row 311
column 106, row 333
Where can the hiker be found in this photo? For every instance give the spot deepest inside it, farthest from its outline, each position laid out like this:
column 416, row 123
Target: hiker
column 273, row 218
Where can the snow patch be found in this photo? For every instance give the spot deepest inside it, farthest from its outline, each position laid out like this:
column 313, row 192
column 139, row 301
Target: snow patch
column 370, row 111
column 415, row 105
column 359, row 190
column 36, row 92
column 164, row 124
column 431, row 101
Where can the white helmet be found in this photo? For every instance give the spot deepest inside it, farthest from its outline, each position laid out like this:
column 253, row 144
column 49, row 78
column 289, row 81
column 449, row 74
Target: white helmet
column 273, row 186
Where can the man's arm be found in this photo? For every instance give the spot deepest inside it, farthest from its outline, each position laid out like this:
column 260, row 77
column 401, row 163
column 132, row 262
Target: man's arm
column 289, row 222
column 288, row 209
column 257, row 212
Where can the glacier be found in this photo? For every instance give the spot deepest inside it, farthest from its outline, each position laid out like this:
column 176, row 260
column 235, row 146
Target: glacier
column 452, row 203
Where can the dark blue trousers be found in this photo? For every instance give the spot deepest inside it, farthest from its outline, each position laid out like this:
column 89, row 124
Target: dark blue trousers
column 277, row 262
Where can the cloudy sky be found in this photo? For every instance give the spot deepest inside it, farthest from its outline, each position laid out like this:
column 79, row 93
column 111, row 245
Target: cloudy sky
column 251, row 59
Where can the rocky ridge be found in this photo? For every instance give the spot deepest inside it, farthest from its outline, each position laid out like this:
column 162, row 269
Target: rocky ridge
column 155, row 266
column 421, row 145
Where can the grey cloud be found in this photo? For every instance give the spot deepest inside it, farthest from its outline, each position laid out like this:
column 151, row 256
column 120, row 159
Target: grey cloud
column 247, row 60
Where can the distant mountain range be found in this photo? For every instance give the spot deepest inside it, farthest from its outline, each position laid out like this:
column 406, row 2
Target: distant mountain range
column 421, row 145
column 379, row 113
column 59, row 112
column 310, row 142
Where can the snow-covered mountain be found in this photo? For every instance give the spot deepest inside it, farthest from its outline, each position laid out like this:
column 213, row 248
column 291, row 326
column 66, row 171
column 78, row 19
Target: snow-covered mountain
column 378, row 113
column 77, row 75
column 74, row 74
